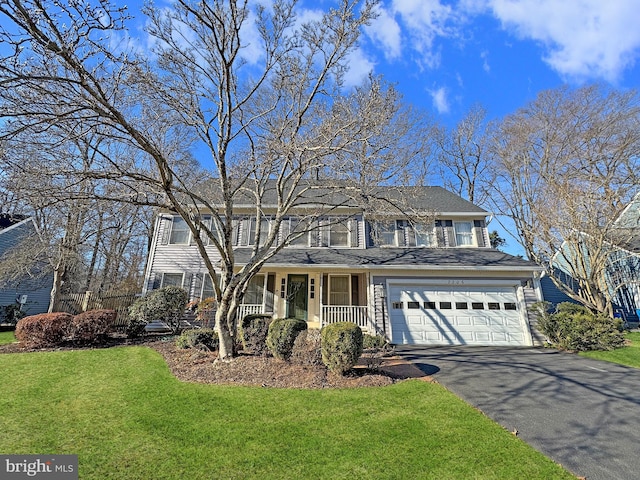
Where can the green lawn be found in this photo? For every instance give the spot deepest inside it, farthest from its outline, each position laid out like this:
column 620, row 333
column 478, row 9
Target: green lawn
column 126, row 416
column 629, row 355
column 6, row 337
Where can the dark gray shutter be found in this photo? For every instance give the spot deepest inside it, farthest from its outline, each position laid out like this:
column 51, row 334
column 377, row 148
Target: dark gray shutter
column 478, row 230
column 440, row 233
column 164, row 226
column 353, row 227
column 197, row 285
column 450, row 233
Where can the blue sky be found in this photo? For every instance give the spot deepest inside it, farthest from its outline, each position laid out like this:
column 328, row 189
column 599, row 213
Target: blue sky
column 447, row 55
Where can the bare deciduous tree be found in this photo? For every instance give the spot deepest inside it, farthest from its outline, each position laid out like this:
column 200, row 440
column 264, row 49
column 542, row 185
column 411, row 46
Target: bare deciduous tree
column 258, row 89
column 568, row 166
column 465, row 156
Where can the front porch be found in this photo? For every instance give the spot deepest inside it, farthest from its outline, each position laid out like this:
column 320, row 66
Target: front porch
column 328, row 314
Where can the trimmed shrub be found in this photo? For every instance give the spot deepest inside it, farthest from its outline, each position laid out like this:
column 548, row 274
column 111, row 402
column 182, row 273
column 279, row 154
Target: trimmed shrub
column 307, row 348
column 373, row 341
column 576, row 328
column 253, row 332
column 12, row 313
column 92, row 326
column 167, row 305
column 282, row 334
column 135, row 327
column 341, row 346
column 44, row 330
column 201, row 339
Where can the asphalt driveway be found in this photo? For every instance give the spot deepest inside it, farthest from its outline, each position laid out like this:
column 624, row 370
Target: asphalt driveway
column 582, row 413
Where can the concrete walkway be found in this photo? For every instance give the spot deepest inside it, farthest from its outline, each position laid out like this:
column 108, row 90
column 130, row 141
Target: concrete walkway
column 582, row 413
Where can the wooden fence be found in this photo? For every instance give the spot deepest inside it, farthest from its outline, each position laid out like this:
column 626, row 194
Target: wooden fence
column 76, row 303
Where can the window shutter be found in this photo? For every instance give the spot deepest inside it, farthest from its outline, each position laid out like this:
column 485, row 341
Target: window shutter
column 450, row 233
column 164, row 225
column 197, row 285
column 235, row 232
column 440, row 233
column 478, row 230
column 154, row 281
column 353, row 231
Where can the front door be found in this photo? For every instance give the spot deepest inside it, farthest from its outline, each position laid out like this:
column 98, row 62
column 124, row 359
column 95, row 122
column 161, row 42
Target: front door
column 297, row 296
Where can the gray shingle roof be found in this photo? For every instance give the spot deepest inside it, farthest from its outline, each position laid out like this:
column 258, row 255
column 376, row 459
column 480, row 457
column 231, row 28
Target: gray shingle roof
column 428, row 199
column 426, row 258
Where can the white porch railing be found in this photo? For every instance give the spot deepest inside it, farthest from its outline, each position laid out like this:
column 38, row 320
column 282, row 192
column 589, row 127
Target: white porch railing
column 248, row 309
column 346, row 313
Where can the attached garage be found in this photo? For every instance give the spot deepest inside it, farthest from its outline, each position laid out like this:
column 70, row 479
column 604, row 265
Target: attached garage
column 465, row 313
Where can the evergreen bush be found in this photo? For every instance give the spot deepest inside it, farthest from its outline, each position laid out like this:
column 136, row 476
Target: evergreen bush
column 253, row 332
column 282, row 334
column 201, row 339
column 576, row 328
column 341, row 346
column 307, row 348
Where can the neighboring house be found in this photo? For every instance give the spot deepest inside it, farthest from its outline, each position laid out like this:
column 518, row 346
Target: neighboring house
column 31, row 290
column 432, row 283
column 622, row 275
column 624, row 265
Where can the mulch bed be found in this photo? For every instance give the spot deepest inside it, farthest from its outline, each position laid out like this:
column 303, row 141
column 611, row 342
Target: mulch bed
column 196, row 366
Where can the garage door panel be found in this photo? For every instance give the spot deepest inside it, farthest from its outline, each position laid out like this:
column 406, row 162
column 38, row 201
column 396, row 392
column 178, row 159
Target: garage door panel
column 462, row 316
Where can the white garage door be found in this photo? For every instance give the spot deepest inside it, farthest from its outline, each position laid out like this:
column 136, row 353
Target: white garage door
column 433, row 315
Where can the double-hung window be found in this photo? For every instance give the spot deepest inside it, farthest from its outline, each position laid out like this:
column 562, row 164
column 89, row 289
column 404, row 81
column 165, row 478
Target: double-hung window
column 172, row 280
column 425, row 235
column 384, row 233
column 339, row 232
column 255, row 290
column 264, row 230
column 464, row 233
column 179, row 232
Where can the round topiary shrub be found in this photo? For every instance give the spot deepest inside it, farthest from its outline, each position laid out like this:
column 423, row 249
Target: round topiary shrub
column 92, row 326
column 307, row 348
column 44, row 330
column 201, row 339
column 282, row 334
column 341, row 346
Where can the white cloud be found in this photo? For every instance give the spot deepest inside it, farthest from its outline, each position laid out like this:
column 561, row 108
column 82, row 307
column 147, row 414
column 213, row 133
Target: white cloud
column 424, row 20
column 440, row 100
column 359, row 68
column 484, row 55
column 584, row 38
column 385, row 32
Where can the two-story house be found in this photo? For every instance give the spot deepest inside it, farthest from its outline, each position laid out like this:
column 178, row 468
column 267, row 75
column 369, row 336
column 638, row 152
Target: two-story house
column 434, row 281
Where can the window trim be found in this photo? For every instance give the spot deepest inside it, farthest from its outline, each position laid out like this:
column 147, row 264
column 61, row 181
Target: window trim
column 348, row 292
column 468, row 234
column 162, row 281
column 175, row 219
column 335, row 221
column 431, row 234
